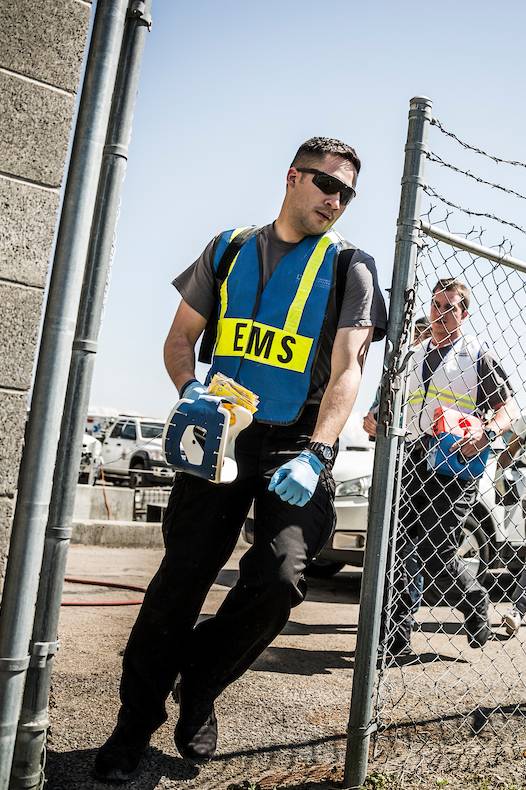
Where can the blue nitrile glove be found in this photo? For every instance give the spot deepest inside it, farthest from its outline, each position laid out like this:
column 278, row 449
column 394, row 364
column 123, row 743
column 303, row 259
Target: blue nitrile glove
column 296, row 481
column 192, row 390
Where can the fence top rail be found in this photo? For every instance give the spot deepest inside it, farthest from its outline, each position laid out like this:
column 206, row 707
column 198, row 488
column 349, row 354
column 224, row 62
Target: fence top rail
column 471, row 246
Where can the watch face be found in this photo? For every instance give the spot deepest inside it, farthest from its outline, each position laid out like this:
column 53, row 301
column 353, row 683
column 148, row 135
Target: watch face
column 323, row 451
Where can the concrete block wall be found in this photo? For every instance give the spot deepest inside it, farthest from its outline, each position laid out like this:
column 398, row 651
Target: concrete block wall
column 41, row 49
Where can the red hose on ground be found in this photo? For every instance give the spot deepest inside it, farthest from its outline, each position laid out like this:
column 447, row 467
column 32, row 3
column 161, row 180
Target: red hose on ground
column 100, row 583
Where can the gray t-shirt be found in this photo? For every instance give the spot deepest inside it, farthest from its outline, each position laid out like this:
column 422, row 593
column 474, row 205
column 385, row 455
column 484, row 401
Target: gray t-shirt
column 362, row 304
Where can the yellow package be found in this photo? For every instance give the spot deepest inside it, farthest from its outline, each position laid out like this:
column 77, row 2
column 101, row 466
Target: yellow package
column 224, row 387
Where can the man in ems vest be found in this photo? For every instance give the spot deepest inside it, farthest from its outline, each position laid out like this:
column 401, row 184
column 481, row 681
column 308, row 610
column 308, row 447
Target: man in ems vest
column 289, row 310
column 451, row 370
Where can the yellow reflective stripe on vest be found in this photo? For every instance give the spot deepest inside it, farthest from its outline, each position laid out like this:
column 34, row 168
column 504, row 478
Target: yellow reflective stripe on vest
column 223, row 292
column 459, row 399
column 462, row 401
column 417, row 396
column 297, row 307
column 238, row 337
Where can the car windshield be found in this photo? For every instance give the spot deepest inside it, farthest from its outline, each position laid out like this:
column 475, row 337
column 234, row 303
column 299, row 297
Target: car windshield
column 152, row 430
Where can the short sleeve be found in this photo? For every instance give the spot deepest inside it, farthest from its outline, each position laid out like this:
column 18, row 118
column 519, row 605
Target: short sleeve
column 196, row 284
column 363, row 303
column 519, row 427
column 494, row 387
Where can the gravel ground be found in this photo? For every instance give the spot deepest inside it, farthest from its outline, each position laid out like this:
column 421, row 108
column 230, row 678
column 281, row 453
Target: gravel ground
column 283, row 724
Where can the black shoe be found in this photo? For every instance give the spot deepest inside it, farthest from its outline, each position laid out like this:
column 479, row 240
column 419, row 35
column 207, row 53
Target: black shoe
column 477, row 630
column 195, row 734
column 398, row 646
column 397, row 653
column 118, row 759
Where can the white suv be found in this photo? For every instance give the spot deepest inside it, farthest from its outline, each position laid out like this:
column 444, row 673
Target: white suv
column 132, row 452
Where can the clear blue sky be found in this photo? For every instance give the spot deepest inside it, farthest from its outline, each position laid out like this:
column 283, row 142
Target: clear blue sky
column 228, row 92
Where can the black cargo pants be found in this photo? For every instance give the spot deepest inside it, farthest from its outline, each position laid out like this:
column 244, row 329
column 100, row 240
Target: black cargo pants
column 432, row 512
column 201, row 527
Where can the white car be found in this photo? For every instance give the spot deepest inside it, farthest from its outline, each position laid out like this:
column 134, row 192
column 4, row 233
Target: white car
column 132, row 452
column 352, row 474
column 494, row 532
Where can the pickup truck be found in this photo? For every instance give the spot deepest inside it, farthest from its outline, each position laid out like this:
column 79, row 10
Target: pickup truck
column 132, row 452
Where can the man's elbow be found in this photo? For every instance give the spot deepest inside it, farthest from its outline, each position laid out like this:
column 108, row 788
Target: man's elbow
column 167, row 348
column 512, row 410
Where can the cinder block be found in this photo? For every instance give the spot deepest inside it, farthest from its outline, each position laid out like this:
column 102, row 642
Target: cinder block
column 26, row 231
column 19, row 319
column 45, row 40
column 118, row 533
column 93, row 502
column 34, row 130
column 6, row 518
column 13, row 411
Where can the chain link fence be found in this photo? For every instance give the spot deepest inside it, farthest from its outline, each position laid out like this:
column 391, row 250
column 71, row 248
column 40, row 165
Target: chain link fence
column 450, row 693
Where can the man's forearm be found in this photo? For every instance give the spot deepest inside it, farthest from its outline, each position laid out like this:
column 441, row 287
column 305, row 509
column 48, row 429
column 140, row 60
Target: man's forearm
column 507, row 457
column 179, row 359
column 337, row 404
column 504, row 418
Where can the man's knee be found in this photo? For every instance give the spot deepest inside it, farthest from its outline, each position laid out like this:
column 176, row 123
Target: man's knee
column 287, row 586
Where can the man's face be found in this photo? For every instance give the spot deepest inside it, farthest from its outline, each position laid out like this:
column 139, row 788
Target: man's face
column 446, row 314
column 312, row 211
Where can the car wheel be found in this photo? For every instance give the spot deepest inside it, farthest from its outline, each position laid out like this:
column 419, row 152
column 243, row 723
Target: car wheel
column 323, row 569
column 136, row 474
column 474, row 551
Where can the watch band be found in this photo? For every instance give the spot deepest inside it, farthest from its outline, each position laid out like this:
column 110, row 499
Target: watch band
column 324, row 452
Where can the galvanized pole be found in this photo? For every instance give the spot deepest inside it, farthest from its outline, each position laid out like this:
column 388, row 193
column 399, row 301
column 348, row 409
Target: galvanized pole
column 27, row 771
column 381, row 496
column 43, row 427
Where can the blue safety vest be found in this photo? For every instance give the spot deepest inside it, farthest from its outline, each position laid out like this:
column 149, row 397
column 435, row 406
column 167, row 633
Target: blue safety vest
column 267, row 338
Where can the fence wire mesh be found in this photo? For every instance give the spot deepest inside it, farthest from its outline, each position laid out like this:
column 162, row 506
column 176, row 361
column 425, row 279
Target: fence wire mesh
column 451, row 687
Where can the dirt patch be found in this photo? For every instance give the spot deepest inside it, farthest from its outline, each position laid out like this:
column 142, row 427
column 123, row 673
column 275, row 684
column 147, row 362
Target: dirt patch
column 283, row 724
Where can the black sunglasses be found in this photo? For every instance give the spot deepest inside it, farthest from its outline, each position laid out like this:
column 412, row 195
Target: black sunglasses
column 330, row 185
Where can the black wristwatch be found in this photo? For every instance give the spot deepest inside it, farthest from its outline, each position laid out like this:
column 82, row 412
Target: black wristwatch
column 324, row 452
column 490, row 435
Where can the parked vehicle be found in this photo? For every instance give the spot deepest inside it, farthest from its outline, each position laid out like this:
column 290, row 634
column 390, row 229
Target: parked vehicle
column 99, row 420
column 90, row 460
column 494, row 533
column 132, row 452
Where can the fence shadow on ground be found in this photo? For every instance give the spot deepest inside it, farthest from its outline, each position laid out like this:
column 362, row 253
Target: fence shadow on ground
column 296, row 661
column 68, row 770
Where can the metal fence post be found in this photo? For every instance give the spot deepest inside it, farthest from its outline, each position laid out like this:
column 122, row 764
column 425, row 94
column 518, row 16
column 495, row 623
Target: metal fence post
column 381, row 495
column 42, row 430
column 30, row 745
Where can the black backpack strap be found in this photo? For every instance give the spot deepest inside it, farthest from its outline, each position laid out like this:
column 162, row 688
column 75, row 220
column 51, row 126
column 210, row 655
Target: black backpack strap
column 210, row 335
column 342, row 267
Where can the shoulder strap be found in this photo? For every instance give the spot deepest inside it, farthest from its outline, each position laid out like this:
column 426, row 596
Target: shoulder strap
column 210, row 334
column 230, row 253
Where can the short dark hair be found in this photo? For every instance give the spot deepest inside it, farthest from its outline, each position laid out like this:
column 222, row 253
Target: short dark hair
column 452, row 284
column 422, row 322
column 317, row 147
